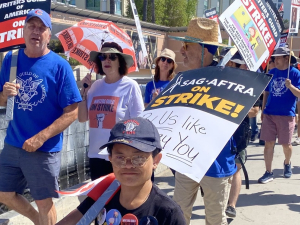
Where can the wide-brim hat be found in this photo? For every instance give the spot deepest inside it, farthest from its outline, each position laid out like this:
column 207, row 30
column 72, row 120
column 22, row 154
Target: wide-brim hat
column 128, row 58
column 201, row 30
column 282, row 51
column 139, row 133
column 293, row 58
column 168, row 54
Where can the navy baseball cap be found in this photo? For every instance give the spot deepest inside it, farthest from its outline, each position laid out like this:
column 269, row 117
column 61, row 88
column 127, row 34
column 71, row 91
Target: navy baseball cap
column 137, row 132
column 42, row 15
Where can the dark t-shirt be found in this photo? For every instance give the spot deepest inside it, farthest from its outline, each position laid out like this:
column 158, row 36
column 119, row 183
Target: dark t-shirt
column 158, row 204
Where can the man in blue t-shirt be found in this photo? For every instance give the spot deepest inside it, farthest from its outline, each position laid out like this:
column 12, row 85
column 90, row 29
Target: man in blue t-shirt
column 46, row 98
column 279, row 105
column 216, row 183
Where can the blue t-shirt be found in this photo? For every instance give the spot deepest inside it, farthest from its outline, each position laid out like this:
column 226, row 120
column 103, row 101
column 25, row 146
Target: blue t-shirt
column 224, row 165
column 160, row 85
column 281, row 101
column 47, row 87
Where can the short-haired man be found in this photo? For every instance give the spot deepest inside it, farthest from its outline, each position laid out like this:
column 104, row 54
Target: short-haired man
column 279, row 105
column 46, row 97
column 217, row 181
column 134, row 151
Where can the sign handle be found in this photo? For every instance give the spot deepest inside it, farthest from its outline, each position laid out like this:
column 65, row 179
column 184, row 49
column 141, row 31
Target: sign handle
column 12, row 77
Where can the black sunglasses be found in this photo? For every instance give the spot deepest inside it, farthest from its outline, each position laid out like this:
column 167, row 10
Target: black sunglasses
column 168, row 59
column 103, row 56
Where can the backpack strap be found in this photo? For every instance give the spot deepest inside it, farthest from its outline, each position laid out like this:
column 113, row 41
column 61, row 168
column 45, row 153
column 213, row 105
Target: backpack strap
column 237, row 155
column 12, row 78
column 244, row 170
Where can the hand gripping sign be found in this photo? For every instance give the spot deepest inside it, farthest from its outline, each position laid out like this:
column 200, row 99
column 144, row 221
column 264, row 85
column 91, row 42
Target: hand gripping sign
column 199, row 107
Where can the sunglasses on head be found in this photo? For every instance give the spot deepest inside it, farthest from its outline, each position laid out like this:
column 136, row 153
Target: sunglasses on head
column 103, row 56
column 164, row 59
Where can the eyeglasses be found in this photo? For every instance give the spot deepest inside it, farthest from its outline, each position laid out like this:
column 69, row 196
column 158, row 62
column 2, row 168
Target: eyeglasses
column 164, row 59
column 103, row 56
column 136, row 161
column 185, row 45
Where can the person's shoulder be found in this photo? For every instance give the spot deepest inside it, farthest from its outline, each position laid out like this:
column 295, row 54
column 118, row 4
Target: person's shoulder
column 129, row 80
column 149, row 84
column 273, row 71
column 57, row 59
column 165, row 202
column 295, row 71
column 169, row 210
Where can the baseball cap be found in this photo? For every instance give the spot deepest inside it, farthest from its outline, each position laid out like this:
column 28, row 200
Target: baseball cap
column 42, row 15
column 139, row 133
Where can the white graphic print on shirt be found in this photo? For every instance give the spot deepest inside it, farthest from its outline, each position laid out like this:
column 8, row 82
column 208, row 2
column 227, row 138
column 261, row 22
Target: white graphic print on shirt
column 278, row 87
column 31, row 91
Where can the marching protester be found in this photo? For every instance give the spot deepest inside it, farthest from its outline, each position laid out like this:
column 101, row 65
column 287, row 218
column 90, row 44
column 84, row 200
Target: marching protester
column 279, row 121
column 241, row 137
column 106, row 101
column 134, row 155
column 165, row 66
column 46, row 101
column 217, row 181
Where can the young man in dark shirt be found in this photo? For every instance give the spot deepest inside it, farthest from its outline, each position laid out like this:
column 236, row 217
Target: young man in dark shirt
column 134, row 151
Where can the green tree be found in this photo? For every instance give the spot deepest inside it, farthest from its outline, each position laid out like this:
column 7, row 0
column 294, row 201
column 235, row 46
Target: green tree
column 166, row 12
column 191, row 9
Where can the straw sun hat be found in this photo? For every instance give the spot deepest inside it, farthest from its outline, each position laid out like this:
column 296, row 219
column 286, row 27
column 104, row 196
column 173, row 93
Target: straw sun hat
column 201, row 30
column 168, row 54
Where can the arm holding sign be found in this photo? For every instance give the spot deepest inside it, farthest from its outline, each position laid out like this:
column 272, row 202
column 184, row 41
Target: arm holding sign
column 292, row 88
column 82, row 106
column 9, row 89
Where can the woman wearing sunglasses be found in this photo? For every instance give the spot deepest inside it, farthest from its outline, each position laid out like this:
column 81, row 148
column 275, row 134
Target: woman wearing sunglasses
column 165, row 66
column 107, row 101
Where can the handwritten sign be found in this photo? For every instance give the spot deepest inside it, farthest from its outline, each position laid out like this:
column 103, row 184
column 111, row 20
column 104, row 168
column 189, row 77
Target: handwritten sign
column 198, row 112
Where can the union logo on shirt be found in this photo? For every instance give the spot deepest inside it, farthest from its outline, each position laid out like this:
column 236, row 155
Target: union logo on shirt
column 278, row 87
column 31, row 93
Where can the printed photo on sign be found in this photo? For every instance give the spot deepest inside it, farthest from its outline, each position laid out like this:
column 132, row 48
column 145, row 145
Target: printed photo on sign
column 249, row 32
column 151, row 47
column 102, row 112
column 294, row 20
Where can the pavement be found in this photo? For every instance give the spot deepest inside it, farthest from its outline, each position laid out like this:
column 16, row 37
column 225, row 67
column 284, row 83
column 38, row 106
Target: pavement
column 277, row 202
